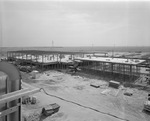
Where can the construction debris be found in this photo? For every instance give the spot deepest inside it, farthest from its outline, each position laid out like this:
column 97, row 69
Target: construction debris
column 143, row 80
column 147, row 106
column 112, row 92
column 29, row 100
column 114, row 84
column 105, row 92
column 35, row 116
column 95, row 85
column 128, row 92
column 99, row 84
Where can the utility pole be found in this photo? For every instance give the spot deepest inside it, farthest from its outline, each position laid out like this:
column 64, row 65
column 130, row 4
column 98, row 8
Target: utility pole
column 52, row 43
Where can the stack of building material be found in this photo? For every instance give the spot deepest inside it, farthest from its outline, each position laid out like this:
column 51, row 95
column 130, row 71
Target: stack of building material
column 96, row 85
column 50, row 109
column 105, row 92
column 114, row 84
column 99, row 84
column 29, row 100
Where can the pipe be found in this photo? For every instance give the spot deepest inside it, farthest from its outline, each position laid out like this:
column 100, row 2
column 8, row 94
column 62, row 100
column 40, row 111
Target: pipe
column 14, row 82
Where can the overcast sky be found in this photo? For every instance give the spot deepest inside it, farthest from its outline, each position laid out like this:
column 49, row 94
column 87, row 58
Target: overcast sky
column 82, row 23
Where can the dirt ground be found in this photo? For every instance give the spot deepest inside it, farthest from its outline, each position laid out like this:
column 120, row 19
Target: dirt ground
column 81, row 102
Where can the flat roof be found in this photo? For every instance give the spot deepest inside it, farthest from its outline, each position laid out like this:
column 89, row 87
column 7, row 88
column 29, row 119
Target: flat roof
column 114, row 60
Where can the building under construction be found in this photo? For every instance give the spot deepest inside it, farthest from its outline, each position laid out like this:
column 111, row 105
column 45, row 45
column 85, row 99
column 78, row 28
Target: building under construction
column 121, row 69
column 44, row 59
column 108, row 67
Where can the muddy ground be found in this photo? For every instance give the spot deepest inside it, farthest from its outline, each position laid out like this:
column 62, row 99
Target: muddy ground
column 81, row 102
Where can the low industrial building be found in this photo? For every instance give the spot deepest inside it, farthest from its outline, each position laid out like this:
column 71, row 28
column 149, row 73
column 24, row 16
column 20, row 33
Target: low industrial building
column 124, row 69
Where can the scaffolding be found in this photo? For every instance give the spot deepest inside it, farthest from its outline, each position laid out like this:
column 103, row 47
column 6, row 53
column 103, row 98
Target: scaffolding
column 113, row 70
column 44, row 59
column 120, row 68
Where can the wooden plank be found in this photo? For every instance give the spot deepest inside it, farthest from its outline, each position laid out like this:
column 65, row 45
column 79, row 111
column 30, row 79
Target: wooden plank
column 17, row 94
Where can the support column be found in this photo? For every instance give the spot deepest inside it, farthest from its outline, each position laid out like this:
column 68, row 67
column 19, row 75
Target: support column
column 22, row 56
column 60, row 57
column 7, row 55
column 42, row 58
column 31, row 61
column 111, row 70
column 131, row 73
column 26, row 56
column 26, row 59
column 15, row 56
column 36, row 58
column 11, row 54
column 57, row 57
column 123, row 72
column 42, row 62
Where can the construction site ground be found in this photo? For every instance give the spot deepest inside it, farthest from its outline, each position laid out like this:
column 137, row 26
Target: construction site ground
column 81, row 102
